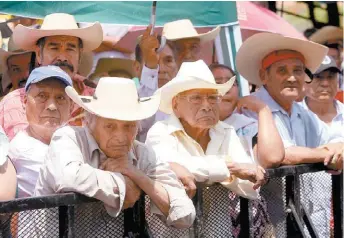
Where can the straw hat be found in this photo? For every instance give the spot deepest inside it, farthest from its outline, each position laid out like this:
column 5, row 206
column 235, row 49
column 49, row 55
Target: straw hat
column 254, row 49
column 184, row 29
column 326, row 34
column 117, row 98
column 58, row 24
column 113, row 64
column 191, row 75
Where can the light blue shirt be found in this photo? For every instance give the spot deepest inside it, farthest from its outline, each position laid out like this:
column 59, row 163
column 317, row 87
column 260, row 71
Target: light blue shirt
column 336, row 128
column 298, row 129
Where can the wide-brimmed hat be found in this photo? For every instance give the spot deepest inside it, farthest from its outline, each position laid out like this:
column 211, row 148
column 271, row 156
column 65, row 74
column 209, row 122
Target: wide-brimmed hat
column 58, row 24
column 12, row 49
column 117, row 98
column 327, row 34
column 191, row 75
column 184, row 29
column 113, row 64
column 256, row 48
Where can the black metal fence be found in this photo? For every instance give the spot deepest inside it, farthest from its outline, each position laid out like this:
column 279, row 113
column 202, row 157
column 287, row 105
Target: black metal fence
column 292, row 212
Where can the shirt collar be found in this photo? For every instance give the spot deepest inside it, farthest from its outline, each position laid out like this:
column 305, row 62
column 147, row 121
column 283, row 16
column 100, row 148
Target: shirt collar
column 274, row 106
column 175, row 125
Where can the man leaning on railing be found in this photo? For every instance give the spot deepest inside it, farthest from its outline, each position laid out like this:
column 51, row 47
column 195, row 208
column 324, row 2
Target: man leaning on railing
column 103, row 160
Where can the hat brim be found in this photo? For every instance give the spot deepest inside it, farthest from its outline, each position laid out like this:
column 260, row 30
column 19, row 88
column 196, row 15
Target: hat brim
column 204, row 37
column 4, row 55
column 26, row 38
column 176, row 86
column 146, row 107
column 254, row 49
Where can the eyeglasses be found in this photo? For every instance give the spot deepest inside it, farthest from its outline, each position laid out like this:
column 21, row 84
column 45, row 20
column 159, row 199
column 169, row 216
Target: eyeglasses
column 198, row 99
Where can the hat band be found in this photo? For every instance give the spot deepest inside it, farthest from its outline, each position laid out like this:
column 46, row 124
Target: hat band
column 278, row 56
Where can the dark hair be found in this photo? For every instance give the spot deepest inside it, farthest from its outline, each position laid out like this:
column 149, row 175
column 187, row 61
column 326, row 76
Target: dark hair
column 221, row 66
column 138, row 51
column 41, row 43
column 308, row 32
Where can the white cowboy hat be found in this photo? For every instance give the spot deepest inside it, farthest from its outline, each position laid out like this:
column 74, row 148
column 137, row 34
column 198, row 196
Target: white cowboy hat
column 117, row 98
column 326, row 34
column 191, row 75
column 254, row 49
column 183, row 29
column 58, row 24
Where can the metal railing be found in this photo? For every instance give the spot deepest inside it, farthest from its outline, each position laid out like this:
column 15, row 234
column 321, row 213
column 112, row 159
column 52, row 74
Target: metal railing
column 74, row 215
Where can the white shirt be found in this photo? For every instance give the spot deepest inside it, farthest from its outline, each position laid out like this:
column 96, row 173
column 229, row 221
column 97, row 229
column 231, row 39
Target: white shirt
column 27, row 155
column 171, row 143
column 72, row 163
column 4, row 147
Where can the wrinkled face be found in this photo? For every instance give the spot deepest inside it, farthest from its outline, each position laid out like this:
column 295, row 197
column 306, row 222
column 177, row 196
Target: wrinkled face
column 324, row 86
column 284, row 80
column 199, row 108
column 47, row 105
column 229, row 101
column 167, row 66
column 187, row 50
column 114, row 137
column 62, row 51
column 19, row 69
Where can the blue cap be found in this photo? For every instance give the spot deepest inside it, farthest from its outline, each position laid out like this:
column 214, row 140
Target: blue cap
column 50, row 71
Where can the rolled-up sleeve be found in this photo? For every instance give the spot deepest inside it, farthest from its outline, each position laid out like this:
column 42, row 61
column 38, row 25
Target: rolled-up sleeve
column 65, row 170
column 182, row 211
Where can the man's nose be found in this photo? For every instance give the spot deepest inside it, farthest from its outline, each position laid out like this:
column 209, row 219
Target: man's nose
column 51, row 104
column 205, row 104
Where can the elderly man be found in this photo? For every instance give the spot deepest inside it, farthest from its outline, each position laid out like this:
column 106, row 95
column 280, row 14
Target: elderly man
column 332, row 37
column 279, row 65
column 194, row 139
column 47, row 108
column 103, row 160
column 58, row 42
column 187, row 42
column 16, row 65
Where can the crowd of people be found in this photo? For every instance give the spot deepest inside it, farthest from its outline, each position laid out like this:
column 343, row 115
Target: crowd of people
column 167, row 122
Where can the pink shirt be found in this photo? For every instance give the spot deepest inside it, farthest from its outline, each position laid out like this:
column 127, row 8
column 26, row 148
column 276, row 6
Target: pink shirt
column 13, row 116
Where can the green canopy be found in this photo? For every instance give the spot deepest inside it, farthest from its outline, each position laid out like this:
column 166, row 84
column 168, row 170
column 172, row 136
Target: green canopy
column 201, row 13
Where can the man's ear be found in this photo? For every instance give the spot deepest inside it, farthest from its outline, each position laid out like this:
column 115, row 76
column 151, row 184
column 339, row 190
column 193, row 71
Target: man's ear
column 38, row 54
column 175, row 107
column 25, row 101
column 137, row 68
column 263, row 76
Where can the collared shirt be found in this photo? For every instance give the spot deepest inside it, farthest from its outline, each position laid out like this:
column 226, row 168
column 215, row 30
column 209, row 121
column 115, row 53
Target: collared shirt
column 148, row 86
column 297, row 129
column 13, row 116
column 171, row 143
column 246, row 129
column 4, row 146
column 27, row 155
column 336, row 128
column 72, row 164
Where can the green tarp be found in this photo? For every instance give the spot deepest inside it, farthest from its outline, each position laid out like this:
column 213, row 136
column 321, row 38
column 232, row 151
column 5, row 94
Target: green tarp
column 211, row 13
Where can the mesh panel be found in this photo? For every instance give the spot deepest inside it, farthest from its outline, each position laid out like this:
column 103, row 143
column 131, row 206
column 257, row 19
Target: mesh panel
column 92, row 220
column 316, row 199
column 274, row 194
column 35, row 223
column 159, row 229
